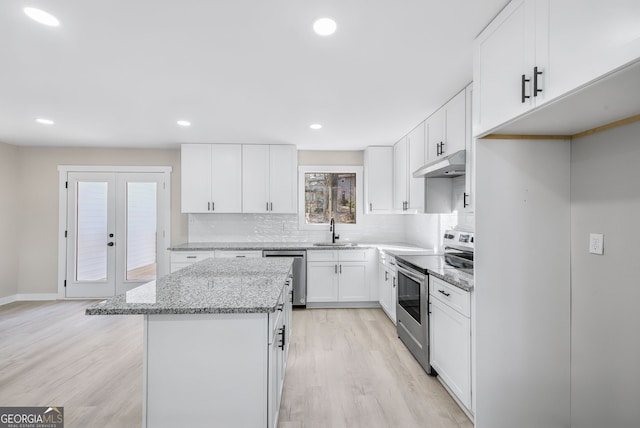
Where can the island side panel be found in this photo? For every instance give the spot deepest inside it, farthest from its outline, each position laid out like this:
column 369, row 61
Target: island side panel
column 206, row 370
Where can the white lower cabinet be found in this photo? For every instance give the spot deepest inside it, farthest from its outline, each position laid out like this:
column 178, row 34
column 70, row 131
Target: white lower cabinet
column 339, row 276
column 222, row 370
column 228, row 254
column 450, row 337
column 182, row 259
column 387, row 290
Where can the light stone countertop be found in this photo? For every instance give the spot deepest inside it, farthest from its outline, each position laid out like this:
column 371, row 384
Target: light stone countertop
column 391, row 248
column 211, row 286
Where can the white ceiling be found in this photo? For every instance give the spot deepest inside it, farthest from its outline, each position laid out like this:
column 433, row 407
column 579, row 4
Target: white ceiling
column 119, row 73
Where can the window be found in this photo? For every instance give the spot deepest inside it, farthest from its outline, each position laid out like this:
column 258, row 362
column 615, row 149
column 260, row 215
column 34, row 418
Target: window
column 330, row 192
column 330, row 195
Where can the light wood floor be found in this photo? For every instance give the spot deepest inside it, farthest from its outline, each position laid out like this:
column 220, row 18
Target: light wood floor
column 346, row 368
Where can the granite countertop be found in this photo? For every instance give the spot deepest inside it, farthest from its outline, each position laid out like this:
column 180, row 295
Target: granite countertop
column 393, row 248
column 435, row 265
column 212, row 286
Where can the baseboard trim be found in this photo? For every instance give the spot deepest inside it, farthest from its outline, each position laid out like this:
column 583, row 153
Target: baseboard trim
column 26, row 297
column 342, row 305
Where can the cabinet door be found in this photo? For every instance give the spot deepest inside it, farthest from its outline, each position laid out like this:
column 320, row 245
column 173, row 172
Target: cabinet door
column 226, row 178
column 283, row 183
column 589, row 40
column 400, row 175
column 353, row 282
column 378, row 178
column 455, row 124
column 415, row 141
column 394, row 295
column 470, row 159
column 195, row 178
column 450, row 341
column 384, row 288
column 255, row 178
column 435, row 134
column 322, row 282
column 503, row 52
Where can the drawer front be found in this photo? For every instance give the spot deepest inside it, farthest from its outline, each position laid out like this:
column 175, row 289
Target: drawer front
column 451, row 295
column 223, row 254
column 189, row 256
column 352, row 255
column 322, row 256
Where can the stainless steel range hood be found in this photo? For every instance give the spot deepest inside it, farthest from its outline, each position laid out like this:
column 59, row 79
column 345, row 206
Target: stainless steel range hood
column 446, row 167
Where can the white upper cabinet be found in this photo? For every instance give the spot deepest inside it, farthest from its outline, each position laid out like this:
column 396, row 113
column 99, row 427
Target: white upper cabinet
column 269, row 182
column 435, row 134
column 400, row 174
column 378, row 178
column 536, row 51
column 455, row 124
column 590, row 39
column 211, row 178
column 447, row 127
column 504, row 58
column 415, row 141
column 409, row 155
column 283, row 183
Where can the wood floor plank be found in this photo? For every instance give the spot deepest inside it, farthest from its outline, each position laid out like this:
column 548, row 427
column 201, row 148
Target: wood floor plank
column 346, row 368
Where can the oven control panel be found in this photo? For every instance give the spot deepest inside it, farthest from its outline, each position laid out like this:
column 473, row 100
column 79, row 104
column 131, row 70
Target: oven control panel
column 459, row 239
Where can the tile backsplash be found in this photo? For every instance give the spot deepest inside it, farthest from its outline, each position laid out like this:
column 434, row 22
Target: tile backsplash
column 285, row 228
column 424, row 230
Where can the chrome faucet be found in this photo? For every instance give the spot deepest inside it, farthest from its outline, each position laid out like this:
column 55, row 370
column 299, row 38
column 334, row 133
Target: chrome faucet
column 332, row 229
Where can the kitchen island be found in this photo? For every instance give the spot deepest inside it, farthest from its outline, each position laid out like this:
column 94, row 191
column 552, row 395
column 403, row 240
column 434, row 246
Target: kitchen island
column 215, row 342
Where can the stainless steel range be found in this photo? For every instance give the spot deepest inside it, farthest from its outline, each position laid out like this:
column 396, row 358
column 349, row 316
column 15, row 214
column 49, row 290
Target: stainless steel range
column 413, row 290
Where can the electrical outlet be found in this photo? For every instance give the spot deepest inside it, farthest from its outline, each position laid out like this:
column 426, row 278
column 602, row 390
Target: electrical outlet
column 596, row 243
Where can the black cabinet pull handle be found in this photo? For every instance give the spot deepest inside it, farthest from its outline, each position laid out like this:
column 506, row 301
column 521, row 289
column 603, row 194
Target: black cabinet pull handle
column 340, row 269
column 524, row 83
column 370, row 206
column 282, row 336
column 213, row 206
column 464, row 201
column 536, row 73
column 267, row 206
column 444, row 292
column 335, row 268
column 208, row 206
column 386, row 275
column 191, row 257
column 271, row 206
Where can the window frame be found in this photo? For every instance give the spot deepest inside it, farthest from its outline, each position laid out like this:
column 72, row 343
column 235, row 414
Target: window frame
column 357, row 170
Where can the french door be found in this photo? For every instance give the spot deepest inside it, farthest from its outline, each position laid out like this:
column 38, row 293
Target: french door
column 114, row 231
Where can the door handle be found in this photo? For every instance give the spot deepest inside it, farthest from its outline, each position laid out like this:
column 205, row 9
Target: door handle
column 111, row 235
column 110, row 244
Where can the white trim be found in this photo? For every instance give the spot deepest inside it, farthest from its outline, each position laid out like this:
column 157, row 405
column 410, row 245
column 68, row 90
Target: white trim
column 88, row 168
column 64, row 170
column 28, row 297
column 357, row 169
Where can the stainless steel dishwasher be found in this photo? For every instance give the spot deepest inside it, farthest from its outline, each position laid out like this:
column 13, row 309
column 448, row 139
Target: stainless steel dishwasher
column 299, row 273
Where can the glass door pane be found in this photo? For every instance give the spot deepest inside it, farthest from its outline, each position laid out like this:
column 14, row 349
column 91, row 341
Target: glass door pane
column 141, row 231
column 91, row 232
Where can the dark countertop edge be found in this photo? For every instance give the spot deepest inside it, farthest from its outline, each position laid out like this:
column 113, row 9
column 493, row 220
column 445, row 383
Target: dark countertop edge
column 449, row 280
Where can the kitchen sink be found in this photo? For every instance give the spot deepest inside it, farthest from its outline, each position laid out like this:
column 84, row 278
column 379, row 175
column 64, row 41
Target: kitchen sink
column 341, row 244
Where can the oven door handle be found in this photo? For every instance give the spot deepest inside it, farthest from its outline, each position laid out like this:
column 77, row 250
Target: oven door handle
column 412, row 275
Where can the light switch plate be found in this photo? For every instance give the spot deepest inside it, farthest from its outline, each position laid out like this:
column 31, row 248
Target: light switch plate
column 596, row 243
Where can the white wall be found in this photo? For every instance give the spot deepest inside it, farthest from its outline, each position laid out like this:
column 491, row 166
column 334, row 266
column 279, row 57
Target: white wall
column 605, row 328
column 9, row 220
column 522, row 284
column 37, row 178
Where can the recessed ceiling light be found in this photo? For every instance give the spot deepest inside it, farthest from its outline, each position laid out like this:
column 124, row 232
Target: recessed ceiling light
column 41, row 16
column 325, row 26
column 44, row 121
column 184, row 123
column 315, row 126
